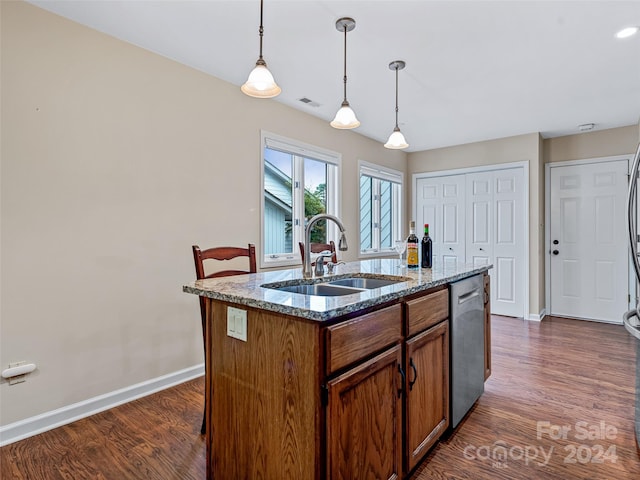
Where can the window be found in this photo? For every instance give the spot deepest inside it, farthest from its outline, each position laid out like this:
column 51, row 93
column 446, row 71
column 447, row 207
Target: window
column 299, row 181
column 380, row 208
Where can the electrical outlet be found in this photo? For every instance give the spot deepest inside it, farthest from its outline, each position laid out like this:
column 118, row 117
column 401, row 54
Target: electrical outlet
column 237, row 323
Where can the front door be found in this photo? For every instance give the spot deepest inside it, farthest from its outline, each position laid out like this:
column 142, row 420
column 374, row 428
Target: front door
column 588, row 258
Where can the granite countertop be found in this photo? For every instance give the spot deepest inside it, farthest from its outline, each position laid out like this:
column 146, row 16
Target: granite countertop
column 248, row 289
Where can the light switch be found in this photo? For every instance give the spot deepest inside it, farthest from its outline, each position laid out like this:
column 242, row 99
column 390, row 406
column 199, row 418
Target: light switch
column 237, row 323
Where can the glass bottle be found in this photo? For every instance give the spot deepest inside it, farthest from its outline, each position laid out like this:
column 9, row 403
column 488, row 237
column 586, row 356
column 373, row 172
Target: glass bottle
column 412, row 247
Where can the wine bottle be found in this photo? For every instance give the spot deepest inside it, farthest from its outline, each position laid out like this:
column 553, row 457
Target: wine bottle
column 427, row 247
column 412, row 247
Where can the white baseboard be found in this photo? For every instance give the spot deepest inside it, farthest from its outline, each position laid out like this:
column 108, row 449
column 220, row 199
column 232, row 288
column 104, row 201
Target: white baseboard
column 537, row 318
column 49, row 420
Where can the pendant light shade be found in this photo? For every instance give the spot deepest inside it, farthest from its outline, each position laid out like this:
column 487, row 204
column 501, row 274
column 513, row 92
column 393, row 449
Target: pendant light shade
column 260, row 83
column 396, row 139
column 345, row 117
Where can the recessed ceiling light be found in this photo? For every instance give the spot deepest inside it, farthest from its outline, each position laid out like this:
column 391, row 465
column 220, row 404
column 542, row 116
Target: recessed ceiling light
column 627, row 32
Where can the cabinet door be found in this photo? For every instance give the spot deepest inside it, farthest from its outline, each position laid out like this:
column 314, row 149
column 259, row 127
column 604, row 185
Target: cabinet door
column 364, row 420
column 487, row 327
column 427, row 387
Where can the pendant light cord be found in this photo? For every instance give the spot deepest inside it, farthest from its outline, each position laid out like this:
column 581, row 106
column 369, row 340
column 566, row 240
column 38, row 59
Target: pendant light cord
column 261, row 32
column 396, row 96
column 345, row 65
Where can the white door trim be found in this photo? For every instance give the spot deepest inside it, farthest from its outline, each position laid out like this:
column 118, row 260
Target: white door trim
column 547, row 212
column 525, row 211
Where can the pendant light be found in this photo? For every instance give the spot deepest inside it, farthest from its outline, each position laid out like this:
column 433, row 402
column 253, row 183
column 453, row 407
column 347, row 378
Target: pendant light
column 260, row 83
column 345, row 118
column 396, row 139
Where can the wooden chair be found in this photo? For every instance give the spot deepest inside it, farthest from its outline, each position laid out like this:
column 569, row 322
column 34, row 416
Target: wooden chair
column 320, row 247
column 221, row 254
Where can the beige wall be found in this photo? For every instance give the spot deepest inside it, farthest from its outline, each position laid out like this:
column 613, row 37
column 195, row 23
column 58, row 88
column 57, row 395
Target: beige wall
column 601, row 143
column 504, row 150
column 114, row 162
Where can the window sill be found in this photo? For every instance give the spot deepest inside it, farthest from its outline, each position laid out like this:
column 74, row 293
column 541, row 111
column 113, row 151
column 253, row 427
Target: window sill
column 384, row 254
column 279, row 264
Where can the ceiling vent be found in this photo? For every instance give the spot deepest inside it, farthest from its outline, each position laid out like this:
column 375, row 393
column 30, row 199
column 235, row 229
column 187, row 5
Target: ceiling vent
column 309, row 102
column 585, row 127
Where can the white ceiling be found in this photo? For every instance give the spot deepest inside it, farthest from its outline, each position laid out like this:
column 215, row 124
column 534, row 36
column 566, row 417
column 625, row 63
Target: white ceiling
column 476, row 70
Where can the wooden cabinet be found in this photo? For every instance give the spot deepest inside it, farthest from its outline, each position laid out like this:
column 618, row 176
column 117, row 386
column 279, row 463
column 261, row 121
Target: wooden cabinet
column 356, row 339
column 264, row 420
column 487, row 327
column 427, row 391
column 365, row 397
column 364, row 420
column 364, row 407
column 427, row 367
column 426, row 311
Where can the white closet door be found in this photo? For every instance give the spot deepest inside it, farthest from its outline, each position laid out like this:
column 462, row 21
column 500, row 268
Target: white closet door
column 495, row 234
column 479, row 218
column 441, row 204
column 507, row 276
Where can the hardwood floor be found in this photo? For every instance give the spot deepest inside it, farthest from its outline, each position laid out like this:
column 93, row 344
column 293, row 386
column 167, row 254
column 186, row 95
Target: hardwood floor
column 155, row 437
column 558, row 373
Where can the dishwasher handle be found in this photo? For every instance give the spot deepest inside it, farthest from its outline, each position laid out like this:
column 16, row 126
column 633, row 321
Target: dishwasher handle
column 465, row 297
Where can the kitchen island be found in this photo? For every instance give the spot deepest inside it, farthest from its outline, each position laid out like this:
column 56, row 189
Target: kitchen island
column 350, row 383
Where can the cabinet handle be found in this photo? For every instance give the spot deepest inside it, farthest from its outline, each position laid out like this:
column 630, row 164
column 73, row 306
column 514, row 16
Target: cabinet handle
column 404, row 379
column 415, row 374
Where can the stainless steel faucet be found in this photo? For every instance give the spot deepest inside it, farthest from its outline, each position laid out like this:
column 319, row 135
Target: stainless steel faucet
column 319, row 270
column 307, row 272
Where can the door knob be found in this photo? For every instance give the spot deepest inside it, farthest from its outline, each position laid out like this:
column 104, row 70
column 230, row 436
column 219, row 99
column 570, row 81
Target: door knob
column 555, row 242
column 555, row 252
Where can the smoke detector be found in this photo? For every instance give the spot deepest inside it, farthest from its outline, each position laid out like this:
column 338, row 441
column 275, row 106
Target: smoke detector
column 585, row 127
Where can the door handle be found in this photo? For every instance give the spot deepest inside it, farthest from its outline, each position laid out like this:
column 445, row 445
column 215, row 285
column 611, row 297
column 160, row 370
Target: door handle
column 555, row 252
column 415, row 374
column 404, row 379
column 555, row 242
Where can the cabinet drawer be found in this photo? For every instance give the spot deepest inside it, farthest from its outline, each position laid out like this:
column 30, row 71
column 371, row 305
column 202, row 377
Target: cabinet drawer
column 424, row 312
column 355, row 339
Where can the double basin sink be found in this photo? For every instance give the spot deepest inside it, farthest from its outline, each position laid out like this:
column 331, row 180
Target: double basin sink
column 339, row 287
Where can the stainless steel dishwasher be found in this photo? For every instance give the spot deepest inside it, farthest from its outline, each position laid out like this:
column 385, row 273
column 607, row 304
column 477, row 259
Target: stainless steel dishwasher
column 467, row 345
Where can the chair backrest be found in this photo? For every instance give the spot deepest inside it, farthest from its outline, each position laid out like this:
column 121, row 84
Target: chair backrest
column 221, row 253
column 320, row 247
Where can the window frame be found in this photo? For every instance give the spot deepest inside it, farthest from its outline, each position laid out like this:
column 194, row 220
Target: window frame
column 300, row 151
column 378, row 173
